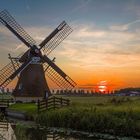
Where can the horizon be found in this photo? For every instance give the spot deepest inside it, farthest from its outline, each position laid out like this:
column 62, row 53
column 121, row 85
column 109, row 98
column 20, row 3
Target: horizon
column 104, row 44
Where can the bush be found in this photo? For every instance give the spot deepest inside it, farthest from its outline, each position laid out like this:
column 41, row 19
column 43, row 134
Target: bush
column 120, row 100
column 95, row 120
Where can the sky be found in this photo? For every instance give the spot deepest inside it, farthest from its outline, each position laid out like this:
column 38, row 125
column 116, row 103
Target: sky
column 103, row 47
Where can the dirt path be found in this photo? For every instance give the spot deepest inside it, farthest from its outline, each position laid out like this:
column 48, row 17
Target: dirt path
column 7, row 134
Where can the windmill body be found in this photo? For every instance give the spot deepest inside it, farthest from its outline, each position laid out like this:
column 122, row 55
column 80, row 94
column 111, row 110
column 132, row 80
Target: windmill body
column 32, row 82
column 30, row 67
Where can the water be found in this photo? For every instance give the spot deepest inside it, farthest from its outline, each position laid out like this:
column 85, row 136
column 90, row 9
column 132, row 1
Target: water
column 41, row 134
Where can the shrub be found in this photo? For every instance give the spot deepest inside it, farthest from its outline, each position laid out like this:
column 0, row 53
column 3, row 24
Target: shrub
column 95, row 120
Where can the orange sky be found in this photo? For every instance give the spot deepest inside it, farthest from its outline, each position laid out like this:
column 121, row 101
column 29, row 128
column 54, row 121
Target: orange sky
column 115, row 78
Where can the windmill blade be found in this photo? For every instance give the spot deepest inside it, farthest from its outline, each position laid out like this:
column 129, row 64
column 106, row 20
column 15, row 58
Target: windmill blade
column 7, row 74
column 57, row 75
column 7, row 20
column 6, row 71
column 55, row 38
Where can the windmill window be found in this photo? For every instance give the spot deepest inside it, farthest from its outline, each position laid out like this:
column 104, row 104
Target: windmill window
column 20, row 86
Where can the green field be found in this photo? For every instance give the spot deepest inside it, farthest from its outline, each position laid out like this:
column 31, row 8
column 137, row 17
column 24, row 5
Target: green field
column 114, row 115
column 100, row 102
column 28, row 108
column 104, row 114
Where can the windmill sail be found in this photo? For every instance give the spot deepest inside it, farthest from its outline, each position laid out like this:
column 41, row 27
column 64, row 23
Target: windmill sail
column 55, row 38
column 8, row 73
column 7, row 20
column 57, row 75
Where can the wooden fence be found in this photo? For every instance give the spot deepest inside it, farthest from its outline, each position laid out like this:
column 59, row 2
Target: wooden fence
column 52, row 103
column 4, row 104
column 53, row 136
column 4, row 125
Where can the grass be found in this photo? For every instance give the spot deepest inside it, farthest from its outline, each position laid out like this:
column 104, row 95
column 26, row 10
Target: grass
column 115, row 115
column 28, row 108
column 104, row 121
column 106, row 114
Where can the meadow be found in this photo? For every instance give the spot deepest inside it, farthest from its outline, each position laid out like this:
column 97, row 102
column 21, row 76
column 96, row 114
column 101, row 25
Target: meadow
column 104, row 114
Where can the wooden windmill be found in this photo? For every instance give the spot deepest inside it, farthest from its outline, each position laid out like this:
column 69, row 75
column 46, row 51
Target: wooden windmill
column 31, row 66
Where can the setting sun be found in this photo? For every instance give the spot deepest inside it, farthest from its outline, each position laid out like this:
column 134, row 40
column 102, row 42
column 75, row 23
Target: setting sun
column 102, row 86
column 102, row 89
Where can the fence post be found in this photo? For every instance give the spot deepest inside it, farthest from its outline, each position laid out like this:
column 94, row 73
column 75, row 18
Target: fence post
column 38, row 105
column 7, row 126
column 46, row 103
column 7, row 103
column 68, row 102
column 54, row 102
column 61, row 101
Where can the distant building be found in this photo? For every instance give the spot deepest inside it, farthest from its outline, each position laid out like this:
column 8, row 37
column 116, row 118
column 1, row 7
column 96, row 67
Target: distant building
column 130, row 93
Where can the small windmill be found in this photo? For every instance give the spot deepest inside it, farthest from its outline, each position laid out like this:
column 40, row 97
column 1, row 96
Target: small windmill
column 31, row 66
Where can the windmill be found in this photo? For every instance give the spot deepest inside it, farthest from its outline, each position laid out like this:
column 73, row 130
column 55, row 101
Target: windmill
column 31, row 66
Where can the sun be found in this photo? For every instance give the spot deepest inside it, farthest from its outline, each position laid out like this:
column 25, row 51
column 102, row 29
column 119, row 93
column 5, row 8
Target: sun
column 102, row 86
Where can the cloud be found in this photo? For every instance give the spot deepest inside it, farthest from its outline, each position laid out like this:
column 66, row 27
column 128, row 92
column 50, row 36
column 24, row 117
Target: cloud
column 102, row 83
column 20, row 46
column 94, row 33
column 82, row 5
column 86, row 32
column 89, row 58
column 124, row 27
column 89, row 47
column 133, row 8
column 11, row 43
column 4, row 31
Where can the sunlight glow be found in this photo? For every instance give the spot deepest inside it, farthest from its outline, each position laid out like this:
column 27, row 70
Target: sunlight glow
column 102, row 87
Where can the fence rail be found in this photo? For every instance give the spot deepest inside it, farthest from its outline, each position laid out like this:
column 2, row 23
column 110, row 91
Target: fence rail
column 4, row 103
column 4, row 125
column 52, row 103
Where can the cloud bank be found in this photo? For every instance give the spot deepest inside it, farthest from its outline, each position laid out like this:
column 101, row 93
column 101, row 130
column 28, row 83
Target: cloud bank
column 88, row 46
